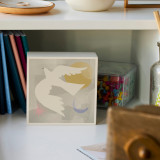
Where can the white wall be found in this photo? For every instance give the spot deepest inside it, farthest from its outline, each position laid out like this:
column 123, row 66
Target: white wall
column 139, row 47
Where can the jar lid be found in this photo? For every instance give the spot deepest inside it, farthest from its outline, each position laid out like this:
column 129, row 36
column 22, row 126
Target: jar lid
column 114, row 68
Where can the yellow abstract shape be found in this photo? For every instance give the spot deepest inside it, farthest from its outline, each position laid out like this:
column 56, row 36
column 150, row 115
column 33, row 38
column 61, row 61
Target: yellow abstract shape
column 83, row 78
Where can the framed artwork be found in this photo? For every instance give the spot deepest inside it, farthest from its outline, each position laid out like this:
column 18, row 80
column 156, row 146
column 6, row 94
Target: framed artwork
column 128, row 5
column 61, row 87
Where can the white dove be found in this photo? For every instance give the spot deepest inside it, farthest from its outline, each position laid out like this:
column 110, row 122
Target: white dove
column 53, row 78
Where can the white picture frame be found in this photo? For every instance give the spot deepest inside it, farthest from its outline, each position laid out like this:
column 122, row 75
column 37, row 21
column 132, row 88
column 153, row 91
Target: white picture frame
column 68, row 99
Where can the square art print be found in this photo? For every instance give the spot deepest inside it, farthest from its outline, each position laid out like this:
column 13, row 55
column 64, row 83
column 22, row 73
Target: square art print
column 61, row 88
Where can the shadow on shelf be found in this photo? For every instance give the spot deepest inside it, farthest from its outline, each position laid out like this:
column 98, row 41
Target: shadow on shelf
column 101, row 116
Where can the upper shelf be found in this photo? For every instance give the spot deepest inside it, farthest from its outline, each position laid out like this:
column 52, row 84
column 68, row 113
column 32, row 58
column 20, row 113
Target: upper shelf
column 64, row 18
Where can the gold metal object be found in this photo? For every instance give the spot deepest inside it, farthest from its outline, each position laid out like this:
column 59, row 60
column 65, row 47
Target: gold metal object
column 144, row 153
column 142, row 147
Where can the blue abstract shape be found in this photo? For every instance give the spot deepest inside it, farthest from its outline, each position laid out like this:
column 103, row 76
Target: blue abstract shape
column 78, row 110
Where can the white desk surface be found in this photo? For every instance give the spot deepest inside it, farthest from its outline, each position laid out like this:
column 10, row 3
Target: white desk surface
column 63, row 17
column 21, row 142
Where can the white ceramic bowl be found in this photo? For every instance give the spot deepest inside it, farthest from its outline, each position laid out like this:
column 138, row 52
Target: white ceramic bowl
column 91, row 5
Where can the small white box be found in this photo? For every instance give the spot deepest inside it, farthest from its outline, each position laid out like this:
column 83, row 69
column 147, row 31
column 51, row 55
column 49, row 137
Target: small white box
column 61, row 87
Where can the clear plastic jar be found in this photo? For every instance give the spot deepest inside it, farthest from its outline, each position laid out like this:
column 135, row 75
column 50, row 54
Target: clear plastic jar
column 116, row 84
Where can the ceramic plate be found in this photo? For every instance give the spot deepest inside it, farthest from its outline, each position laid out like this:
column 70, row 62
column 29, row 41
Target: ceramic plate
column 25, row 7
column 24, row 3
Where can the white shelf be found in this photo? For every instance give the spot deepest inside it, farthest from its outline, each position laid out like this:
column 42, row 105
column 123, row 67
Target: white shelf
column 64, row 18
column 19, row 141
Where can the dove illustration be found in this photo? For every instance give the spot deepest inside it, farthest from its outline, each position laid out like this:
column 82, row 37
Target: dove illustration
column 53, row 78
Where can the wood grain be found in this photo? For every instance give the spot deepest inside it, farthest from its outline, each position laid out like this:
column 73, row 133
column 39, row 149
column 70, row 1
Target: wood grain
column 126, row 124
column 157, row 18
